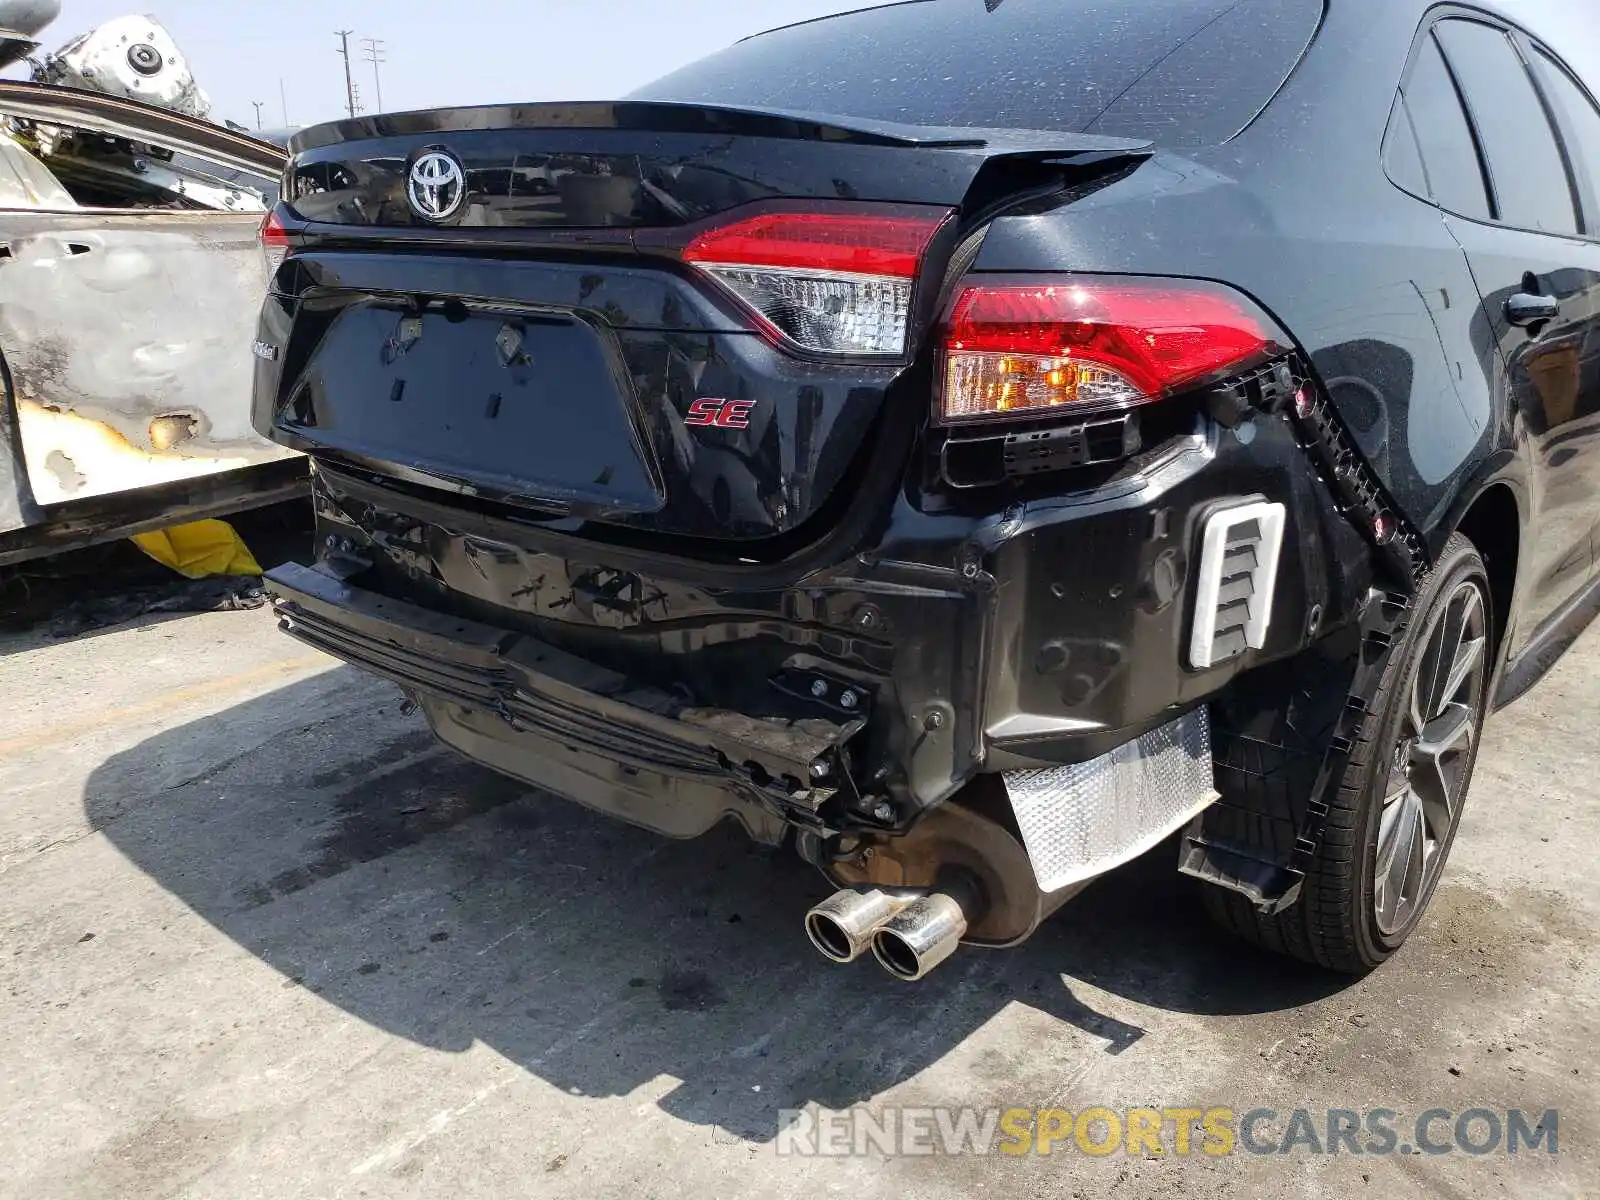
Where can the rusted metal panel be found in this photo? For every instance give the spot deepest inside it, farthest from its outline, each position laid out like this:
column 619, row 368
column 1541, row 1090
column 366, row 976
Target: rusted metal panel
column 108, row 518
column 128, row 342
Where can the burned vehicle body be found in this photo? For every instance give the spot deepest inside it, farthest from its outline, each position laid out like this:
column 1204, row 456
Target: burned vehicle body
column 979, row 486
column 129, row 277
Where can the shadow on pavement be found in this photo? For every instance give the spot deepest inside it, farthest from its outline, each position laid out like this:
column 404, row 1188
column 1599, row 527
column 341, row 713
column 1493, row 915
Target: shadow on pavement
column 446, row 904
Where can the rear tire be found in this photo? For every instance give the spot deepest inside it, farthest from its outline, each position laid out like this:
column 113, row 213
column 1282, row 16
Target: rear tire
column 1395, row 813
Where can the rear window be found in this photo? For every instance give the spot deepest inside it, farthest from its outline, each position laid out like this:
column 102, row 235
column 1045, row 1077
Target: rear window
column 1181, row 72
column 1448, row 151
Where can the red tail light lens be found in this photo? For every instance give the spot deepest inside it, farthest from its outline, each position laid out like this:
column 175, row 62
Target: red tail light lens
column 860, row 245
column 274, row 242
column 1093, row 343
column 829, row 282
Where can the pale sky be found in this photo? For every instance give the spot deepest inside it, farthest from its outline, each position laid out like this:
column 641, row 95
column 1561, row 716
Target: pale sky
column 440, row 52
column 445, row 52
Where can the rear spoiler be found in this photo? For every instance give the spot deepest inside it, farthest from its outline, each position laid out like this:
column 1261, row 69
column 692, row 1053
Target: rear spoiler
column 651, row 117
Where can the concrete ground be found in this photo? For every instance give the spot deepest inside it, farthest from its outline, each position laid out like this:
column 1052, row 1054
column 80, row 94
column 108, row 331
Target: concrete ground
column 259, row 936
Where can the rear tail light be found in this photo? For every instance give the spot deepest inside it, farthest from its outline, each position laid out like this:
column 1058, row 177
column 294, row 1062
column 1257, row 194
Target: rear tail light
column 827, row 282
column 274, row 242
column 1091, row 344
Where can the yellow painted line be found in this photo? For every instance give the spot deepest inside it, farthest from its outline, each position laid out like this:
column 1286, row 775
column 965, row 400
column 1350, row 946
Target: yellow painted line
column 164, row 702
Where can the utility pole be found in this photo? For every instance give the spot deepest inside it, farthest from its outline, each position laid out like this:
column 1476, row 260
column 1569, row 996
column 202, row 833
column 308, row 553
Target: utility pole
column 283, row 97
column 259, row 106
column 375, row 55
column 349, row 80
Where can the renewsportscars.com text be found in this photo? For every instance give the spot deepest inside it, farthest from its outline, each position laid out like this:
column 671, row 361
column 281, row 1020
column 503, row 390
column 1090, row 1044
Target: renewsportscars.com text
column 1100, row 1132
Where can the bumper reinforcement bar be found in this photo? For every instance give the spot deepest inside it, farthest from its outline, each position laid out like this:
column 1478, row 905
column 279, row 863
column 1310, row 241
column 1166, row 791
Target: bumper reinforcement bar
column 537, row 687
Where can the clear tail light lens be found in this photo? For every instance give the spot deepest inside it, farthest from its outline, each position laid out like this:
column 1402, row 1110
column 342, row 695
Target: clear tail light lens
column 828, row 282
column 1091, row 344
column 274, row 242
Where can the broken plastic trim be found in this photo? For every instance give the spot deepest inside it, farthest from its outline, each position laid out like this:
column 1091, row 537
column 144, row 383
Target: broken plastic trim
column 1273, row 882
column 1287, row 387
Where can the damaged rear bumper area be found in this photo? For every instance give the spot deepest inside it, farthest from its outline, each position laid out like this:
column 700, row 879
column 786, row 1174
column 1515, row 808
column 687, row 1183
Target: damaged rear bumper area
column 993, row 708
column 535, row 711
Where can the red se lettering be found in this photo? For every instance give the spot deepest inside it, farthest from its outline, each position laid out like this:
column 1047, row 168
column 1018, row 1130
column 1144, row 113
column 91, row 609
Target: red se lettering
column 720, row 414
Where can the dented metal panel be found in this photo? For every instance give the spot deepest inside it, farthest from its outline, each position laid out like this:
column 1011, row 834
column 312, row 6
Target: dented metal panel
column 128, row 338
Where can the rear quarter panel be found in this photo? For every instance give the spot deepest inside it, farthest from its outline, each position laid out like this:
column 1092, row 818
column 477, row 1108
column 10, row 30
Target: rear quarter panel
column 1298, row 212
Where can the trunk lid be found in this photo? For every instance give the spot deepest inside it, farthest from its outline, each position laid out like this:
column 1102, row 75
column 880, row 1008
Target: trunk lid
column 545, row 306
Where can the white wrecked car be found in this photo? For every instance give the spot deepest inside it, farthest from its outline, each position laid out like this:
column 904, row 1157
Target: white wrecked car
column 130, row 276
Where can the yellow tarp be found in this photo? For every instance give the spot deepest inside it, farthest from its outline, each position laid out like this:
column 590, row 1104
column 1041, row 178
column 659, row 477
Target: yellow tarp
column 200, row 550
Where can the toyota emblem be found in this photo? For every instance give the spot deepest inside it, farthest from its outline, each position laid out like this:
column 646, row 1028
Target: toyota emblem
column 436, row 185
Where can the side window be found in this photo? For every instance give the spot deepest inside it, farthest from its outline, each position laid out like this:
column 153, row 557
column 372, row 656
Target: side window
column 1402, row 157
column 1444, row 136
column 1580, row 128
column 1529, row 176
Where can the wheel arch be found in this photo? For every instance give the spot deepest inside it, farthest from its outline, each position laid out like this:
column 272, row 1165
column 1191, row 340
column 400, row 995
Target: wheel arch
column 1494, row 522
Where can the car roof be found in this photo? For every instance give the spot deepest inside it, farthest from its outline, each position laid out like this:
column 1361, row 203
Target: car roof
column 1174, row 71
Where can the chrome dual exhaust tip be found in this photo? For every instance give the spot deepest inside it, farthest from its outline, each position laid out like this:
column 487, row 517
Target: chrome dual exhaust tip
column 920, row 936
column 841, row 927
column 908, row 933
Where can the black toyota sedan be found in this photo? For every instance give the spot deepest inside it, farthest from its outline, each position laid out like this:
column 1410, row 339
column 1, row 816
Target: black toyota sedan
column 975, row 443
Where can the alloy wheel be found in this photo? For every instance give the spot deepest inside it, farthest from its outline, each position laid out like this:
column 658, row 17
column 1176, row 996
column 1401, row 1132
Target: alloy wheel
column 1432, row 758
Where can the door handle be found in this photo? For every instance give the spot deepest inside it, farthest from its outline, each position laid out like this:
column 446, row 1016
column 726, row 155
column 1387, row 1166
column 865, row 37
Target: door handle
column 1526, row 309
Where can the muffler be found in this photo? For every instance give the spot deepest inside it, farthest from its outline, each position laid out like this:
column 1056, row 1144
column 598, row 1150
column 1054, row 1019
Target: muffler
column 841, row 927
column 924, row 933
column 960, row 875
